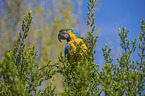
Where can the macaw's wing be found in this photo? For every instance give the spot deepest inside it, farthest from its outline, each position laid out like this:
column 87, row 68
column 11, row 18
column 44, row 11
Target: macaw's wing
column 66, row 51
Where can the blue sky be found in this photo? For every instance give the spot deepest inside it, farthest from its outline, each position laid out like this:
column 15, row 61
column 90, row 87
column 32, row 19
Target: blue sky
column 120, row 13
column 112, row 15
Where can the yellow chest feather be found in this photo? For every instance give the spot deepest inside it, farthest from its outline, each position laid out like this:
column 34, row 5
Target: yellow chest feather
column 74, row 39
column 77, row 41
column 73, row 47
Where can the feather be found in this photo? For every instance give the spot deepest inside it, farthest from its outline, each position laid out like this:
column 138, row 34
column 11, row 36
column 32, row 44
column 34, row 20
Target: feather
column 66, row 50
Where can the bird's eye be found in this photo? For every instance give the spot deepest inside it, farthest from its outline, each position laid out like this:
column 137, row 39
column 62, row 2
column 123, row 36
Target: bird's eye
column 63, row 31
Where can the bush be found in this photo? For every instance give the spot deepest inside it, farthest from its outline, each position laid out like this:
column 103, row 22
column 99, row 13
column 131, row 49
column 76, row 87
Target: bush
column 21, row 75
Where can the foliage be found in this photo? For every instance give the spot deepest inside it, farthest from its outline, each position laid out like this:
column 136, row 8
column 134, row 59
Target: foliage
column 126, row 77
column 21, row 74
column 49, row 16
column 80, row 77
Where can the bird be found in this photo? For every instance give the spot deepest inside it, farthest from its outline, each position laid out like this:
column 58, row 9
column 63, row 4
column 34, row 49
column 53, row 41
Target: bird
column 73, row 38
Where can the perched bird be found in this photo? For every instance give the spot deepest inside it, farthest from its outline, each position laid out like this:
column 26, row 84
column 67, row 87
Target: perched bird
column 71, row 36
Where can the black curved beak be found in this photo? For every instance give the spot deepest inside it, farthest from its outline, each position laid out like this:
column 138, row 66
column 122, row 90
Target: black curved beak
column 63, row 35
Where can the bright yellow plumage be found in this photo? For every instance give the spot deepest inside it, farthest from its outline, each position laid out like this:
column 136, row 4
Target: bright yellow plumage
column 72, row 48
column 73, row 39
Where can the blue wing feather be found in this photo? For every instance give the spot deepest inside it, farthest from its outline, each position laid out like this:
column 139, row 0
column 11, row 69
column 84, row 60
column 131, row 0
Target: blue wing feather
column 66, row 51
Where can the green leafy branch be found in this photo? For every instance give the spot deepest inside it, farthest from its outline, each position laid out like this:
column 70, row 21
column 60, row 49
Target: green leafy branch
column 19, row 47
column 141, row 68
column 125, row 77
column 91, row 39
column 20, row 75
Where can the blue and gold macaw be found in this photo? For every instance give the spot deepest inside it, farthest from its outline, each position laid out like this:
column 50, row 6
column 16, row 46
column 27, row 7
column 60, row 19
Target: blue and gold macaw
column 71, row 36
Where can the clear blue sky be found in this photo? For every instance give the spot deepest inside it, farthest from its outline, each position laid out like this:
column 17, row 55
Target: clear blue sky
column 115, row 14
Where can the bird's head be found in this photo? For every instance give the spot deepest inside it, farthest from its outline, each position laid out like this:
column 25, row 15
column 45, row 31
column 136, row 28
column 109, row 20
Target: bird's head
column 67, row 34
